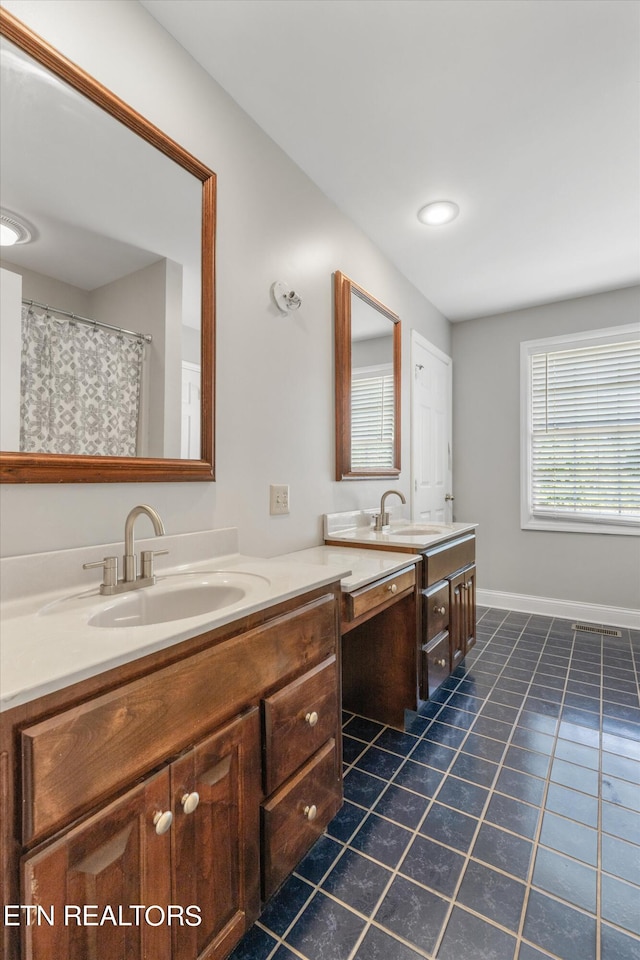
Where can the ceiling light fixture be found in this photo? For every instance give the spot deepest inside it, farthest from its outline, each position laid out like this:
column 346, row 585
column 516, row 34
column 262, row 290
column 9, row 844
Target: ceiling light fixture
column 286, row 299
column 13, row 230
column 439, row 212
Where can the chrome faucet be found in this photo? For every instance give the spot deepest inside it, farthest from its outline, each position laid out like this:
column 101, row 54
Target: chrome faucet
column 382, row 518
column 131, row 580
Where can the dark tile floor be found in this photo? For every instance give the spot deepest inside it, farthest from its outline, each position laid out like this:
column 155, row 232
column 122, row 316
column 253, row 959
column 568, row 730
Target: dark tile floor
column 504, row 824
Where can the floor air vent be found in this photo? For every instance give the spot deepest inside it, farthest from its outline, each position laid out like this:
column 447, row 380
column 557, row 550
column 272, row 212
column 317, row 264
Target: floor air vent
column 594, row 628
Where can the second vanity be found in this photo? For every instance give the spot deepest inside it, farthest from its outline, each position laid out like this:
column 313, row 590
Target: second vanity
column 446, row 611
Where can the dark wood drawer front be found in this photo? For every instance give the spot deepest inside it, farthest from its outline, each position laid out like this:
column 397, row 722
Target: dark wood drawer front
column 438, row 662
column 297, row 720
column 435, row 609
column 84, row 755
column 294, row 818
column 446, row 558
column 370, row 597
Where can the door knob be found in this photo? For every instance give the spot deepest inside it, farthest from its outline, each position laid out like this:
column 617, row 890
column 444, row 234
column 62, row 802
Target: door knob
column 449, row 496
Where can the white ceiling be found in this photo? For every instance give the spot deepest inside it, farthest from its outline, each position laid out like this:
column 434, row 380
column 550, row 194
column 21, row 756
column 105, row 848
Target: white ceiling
column 525, row 112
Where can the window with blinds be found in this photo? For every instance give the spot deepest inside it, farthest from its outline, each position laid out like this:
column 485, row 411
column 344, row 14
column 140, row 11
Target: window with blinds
column 582, row 455
column 372, row 398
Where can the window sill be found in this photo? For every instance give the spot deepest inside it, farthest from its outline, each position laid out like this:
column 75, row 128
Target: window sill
column 562, row 525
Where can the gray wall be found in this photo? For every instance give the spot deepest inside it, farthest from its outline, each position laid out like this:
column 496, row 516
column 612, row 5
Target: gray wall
column 591, row 568
column 274, row 394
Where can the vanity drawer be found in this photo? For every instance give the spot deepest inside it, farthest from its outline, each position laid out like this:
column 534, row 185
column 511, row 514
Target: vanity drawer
column 443, row 560
column 297, row 720
column 436, row 660
column 86, row 754
column 296, row 815
column 435, row 609
column 368, row 598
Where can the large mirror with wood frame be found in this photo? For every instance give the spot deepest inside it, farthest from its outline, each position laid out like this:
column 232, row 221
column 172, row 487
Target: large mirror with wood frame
column 367, row 367
column 107, row 329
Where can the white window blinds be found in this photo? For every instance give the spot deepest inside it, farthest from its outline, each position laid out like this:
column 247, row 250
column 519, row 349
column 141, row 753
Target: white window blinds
column 372, row 398
column 585, row 432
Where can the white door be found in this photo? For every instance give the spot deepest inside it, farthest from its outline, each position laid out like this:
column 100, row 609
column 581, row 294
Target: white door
column 191, row 391
column 431, row 400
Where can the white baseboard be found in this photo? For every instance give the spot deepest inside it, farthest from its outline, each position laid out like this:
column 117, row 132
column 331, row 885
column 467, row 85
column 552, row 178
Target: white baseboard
column 568, row 609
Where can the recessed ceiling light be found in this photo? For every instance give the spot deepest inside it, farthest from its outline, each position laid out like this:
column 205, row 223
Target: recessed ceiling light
column 13, row 230
column 438, row 212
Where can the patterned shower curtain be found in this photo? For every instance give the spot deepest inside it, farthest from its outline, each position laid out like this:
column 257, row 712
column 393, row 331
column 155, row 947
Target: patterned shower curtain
column 80, row 388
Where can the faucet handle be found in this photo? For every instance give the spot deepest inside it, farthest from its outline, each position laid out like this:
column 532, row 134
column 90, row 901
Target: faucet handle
column 110, row 565
column 147, row 561
column 380, row 521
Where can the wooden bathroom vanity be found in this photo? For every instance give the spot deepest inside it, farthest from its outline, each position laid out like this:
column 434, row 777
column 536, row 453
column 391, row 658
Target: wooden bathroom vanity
column 442, row 622
column 149, row 810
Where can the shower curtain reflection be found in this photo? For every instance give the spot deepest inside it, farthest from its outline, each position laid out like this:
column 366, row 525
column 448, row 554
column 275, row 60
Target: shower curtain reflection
column 80, row 388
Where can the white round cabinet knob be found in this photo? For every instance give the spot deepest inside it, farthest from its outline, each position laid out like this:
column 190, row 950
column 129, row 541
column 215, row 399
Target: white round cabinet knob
column 190, row 801
column 311, row 718
column 162, row 821
column 310, row 812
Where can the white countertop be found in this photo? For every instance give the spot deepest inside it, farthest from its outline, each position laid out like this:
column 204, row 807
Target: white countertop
column 354, row 528
column 366, row 565
column 47, row 643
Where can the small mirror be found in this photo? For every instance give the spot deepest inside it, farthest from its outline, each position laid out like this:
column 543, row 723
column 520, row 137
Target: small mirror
column 107, row 296
column 368, row 349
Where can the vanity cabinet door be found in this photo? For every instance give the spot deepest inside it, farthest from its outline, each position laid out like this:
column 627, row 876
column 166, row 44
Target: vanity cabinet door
column 112, row 861
column 216, row 838
column 462, row 593
column 204, row 865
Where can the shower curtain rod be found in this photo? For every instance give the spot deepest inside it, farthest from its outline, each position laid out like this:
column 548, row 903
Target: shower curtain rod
column 94, row 323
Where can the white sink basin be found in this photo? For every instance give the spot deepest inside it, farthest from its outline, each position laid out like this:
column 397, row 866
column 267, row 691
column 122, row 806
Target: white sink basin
column 177, row 597
column 418, row 530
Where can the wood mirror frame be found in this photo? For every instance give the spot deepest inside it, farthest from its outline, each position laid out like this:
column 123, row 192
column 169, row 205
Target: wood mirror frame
column 63, row 468
column 344, row 290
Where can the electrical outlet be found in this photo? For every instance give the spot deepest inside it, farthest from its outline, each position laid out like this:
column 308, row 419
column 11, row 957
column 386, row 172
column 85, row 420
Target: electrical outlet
column 278, row 499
